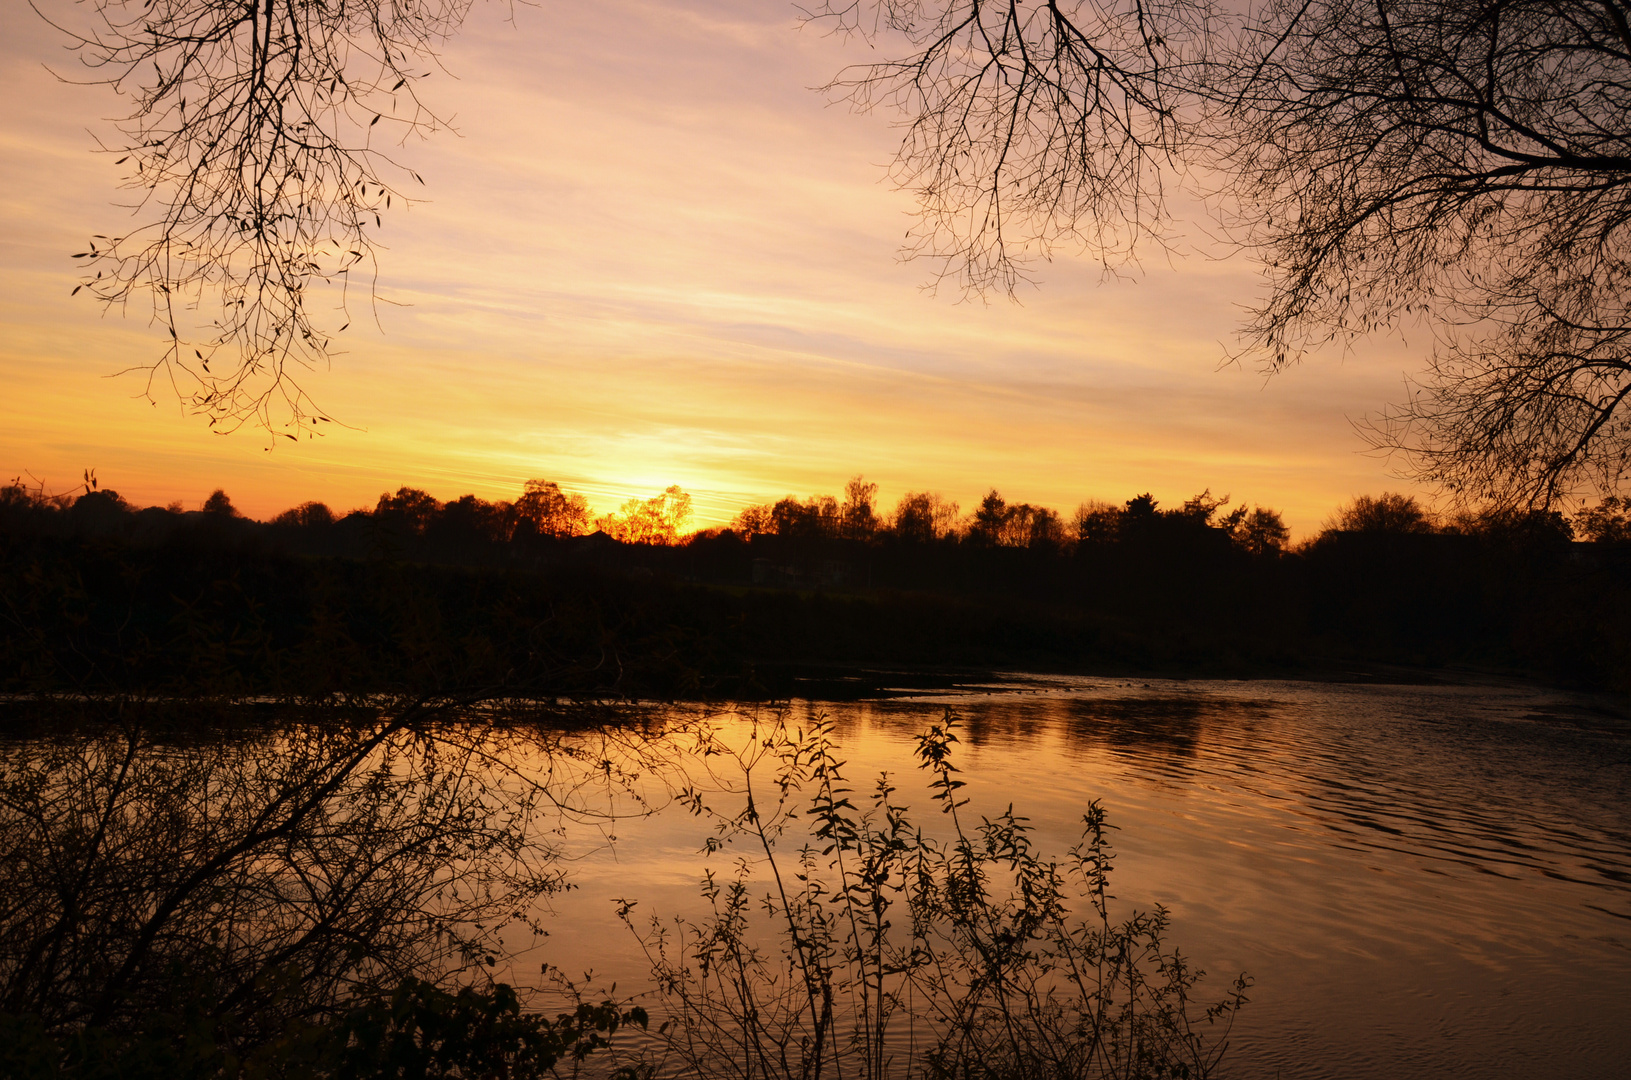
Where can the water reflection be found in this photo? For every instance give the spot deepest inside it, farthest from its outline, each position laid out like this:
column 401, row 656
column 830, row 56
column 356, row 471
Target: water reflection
column 1424, row 880
column 1162, row 727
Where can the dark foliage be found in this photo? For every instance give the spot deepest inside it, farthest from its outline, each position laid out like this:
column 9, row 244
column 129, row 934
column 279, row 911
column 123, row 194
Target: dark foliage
column 419, row 1030
column 189, row 891
column 420, row 596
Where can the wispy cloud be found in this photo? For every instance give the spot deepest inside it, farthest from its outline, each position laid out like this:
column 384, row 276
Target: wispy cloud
column 652, row 255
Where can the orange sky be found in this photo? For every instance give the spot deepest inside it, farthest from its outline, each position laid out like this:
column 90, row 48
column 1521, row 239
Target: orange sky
column 650, row 256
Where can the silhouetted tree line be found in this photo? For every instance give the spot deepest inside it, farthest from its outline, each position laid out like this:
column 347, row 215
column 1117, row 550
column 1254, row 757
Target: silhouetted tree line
column 536, row 595
column 924, row 518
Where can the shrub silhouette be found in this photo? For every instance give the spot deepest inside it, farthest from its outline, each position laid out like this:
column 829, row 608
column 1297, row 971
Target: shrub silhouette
column 875, row 951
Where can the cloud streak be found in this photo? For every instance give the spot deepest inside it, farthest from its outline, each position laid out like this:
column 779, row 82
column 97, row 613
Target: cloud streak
column 652, row 255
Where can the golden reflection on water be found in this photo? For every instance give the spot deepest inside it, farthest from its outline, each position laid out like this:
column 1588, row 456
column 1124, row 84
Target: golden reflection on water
column 1423, row 881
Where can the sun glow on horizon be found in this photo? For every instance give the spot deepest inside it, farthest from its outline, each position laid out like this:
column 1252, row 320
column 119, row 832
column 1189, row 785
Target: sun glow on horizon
column 650, row 256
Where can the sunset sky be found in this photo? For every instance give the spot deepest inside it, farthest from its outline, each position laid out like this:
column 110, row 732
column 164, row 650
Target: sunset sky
column 650, row 255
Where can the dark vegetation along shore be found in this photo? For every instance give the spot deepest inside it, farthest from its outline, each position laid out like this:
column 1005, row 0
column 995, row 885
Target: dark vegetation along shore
column 278, row 799
column 421, row 596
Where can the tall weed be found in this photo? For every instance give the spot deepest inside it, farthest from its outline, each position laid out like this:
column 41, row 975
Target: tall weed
column 874, row 950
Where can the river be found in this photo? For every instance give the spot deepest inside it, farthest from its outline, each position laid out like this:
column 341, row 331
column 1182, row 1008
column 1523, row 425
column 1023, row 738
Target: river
column 1421, row 880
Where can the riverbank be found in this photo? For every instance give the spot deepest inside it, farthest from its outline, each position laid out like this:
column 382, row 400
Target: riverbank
column 610, row 621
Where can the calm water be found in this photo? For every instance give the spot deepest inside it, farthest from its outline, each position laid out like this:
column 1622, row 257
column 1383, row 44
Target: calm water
column 1423, row 881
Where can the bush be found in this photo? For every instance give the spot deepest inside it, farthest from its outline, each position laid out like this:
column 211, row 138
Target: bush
column 186, row 894
column 896, row 955
column 420, row 1030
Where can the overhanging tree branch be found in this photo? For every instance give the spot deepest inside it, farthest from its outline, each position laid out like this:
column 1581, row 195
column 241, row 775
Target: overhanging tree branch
column 253, row 138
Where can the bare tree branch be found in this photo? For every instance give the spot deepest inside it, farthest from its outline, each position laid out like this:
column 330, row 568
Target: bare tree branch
column 1027, row 126
column 1469, row 163
column 1466, row 164
column 253, row 138
column 1385, row 159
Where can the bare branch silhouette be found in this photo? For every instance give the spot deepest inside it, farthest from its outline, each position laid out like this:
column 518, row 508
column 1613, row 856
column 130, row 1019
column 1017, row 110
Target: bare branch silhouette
column 1462, row 163
column 254, row 139
column 1027, row 126
column 1469, row 163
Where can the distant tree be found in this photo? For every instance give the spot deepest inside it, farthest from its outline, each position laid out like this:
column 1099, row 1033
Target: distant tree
column 307, row 515
column 549, row 511
column 922, row 517
column 469, row 520
column 826, row 515
column 1509, row 525
column 989, row 518
column 99, row 511
column 1141, row 506
column 860, row 521
column 1199, row 510
column 753, row 521
column 998, row 523
column 1609, row 522
column 1097, row 522
column 220, row 505
column 1140, row 519
column 913, row 519
column 657, row 520
column 1030, row 526
column 1192, row 526
column 410, row 507
column 1386, row 513
column 790, row 517
column 1259, row 531
column 1046, row 529
column 18, row 496
column 819, row 517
